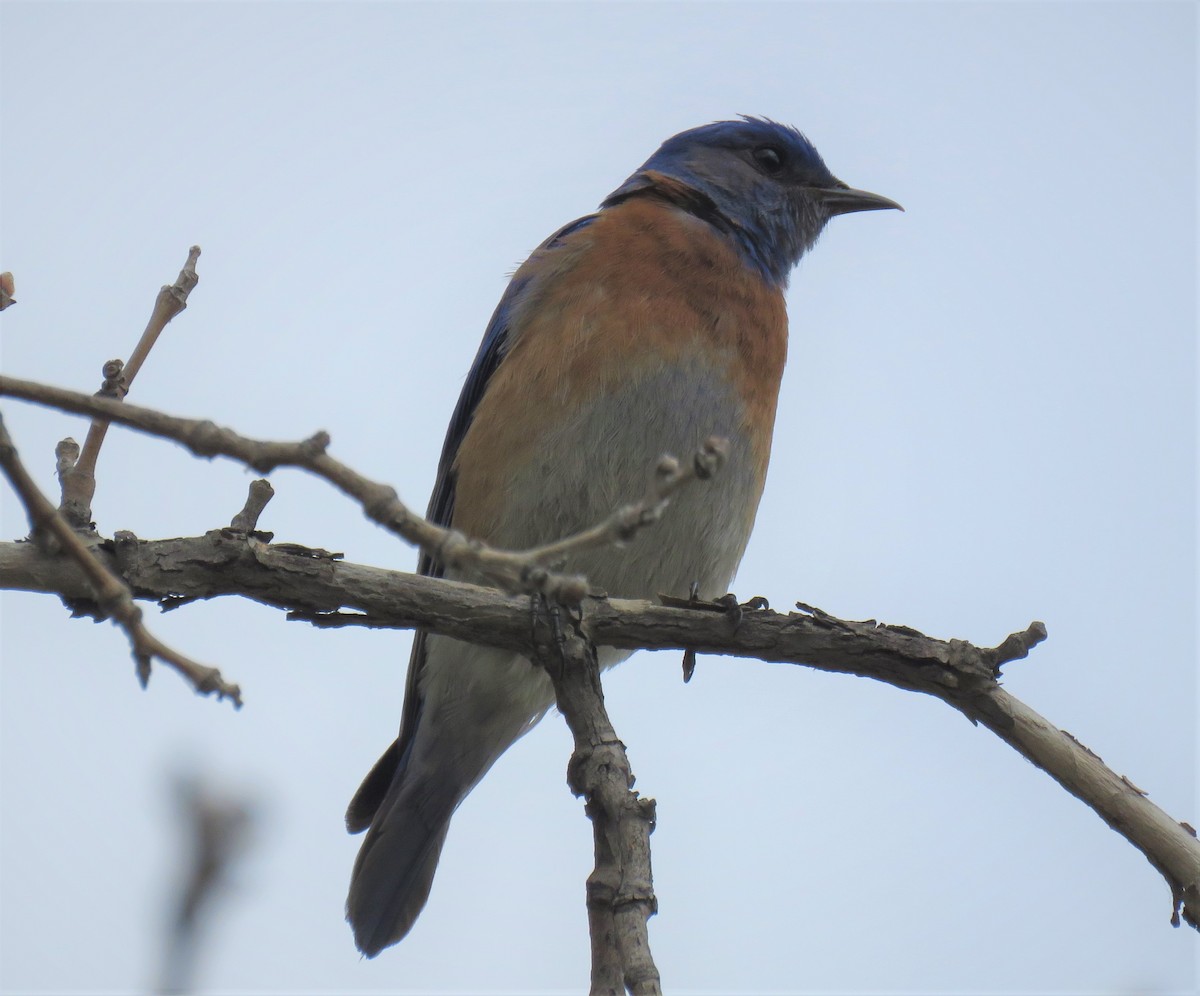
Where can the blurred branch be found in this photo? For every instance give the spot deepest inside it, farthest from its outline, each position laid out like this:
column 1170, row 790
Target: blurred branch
column 79, row 479
column 217, row 829
column 113, row 596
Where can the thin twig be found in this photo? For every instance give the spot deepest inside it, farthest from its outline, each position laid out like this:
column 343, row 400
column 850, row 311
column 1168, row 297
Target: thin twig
column 111, row 593
column 620, row 527
column 171, row 300
column 79, row 484
column 66, row 455
column 523, row 571
column 259, row 493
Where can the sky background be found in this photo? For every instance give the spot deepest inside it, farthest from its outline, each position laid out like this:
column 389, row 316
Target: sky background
column 988, row 417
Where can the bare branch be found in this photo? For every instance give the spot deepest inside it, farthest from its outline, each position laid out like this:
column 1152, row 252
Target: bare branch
column 620, row 889
column 1170, row 846
column 111, row 594
column 327, row 591
column 957, row 672
column 512, row 570
column 171, row 300
column 79, row 483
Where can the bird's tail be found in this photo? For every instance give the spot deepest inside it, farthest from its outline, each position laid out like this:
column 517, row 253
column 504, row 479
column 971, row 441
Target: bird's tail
column 474, row 703
column 408, row 816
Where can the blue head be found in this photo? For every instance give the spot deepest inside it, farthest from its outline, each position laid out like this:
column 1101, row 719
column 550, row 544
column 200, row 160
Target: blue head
column 761, row 183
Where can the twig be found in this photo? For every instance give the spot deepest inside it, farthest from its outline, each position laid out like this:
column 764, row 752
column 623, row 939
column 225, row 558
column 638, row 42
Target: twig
column 257, row 497
column 111, row 594
column 79, row 484
column 1166, row 843
column 66, row 455
column 171, row 300
column 523, row 571
column 620, row 527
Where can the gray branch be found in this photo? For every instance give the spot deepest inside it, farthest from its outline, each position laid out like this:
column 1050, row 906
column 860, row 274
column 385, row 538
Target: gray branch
column 514, row 570
column 317, row 587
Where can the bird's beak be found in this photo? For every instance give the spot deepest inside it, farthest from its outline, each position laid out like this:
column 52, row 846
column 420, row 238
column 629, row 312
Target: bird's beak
column 844, row 199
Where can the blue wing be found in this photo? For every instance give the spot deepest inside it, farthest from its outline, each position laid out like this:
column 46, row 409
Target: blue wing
column 491, row 353
column 441, row 511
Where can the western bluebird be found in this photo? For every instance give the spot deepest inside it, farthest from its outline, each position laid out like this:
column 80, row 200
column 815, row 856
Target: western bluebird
column 639, row 330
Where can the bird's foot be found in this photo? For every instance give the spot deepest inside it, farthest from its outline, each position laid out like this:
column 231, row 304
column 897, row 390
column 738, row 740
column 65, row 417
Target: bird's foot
column 727, row 604
column 541, row 608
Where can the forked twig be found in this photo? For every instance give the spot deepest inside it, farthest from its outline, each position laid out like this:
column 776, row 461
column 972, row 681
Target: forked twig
column 112, row 595
column 79, row 480
column 517, row 571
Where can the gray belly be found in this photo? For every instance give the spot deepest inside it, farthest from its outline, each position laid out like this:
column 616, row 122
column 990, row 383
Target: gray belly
column 476, row 700
column 604, row 457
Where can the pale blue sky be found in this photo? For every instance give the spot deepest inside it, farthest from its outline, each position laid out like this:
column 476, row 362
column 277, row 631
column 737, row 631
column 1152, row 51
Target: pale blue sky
column 989, row 416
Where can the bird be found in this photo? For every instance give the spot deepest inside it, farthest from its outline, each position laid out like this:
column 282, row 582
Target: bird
column 641, row 329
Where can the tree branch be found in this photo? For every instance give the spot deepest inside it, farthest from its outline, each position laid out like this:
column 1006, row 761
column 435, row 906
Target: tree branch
column 319, row 588
column 111, row 595
column 524, row 570
column 79, row 478
column 620, row 890
column 323, row 590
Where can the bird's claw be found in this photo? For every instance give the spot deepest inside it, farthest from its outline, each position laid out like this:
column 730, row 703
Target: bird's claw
column 727, row 604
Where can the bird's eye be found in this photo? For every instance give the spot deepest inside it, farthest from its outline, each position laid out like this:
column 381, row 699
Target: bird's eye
column 769, row 158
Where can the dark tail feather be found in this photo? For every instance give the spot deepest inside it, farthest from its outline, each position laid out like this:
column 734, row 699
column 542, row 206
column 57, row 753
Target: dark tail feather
column 373, row 790
column 391, row 886
column 394, row 869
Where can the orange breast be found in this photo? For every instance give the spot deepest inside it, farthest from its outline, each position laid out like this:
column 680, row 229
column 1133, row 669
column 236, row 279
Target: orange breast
column 643, row 289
